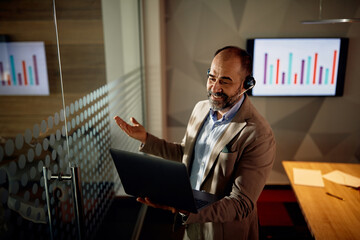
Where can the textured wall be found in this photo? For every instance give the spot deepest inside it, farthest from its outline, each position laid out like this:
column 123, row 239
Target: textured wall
column 306, row 129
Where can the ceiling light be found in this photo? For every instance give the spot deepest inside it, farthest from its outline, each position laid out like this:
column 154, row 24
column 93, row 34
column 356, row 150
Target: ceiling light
column 329, row 21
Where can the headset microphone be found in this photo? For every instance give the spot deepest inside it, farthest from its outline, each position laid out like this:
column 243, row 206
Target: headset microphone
column 249, row 83
column 246, row 90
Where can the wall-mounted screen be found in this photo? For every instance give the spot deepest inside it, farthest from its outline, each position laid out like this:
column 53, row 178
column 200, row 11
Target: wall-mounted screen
column 23, row 69
column 298, row 66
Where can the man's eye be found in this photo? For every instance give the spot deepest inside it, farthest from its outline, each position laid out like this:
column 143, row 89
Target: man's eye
column 212, row 79
column 223, row 82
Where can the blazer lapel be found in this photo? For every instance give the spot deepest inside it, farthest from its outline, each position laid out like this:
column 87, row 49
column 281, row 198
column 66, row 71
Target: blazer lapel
column 235, row 126
column 195, row 123
column 232, row 130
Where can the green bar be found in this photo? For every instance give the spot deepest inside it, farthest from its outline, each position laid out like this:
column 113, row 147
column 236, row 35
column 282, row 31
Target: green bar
column 271, row 73
column 308, row 71
column 290, row 66
column 13, row 72
column 326, row 76
column 31, row 76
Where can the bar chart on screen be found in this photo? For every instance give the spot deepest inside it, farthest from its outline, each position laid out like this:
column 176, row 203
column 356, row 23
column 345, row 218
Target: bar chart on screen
column 296, row 67
column 23, row 69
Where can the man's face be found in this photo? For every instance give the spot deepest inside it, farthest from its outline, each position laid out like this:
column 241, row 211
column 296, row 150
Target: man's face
column 224, row 84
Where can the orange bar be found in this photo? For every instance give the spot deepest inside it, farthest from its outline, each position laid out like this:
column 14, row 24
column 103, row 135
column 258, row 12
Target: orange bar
column 315, row 64
column 333, row 70
column 277, row 71
column 295, row 78
column 8, row 79
column 24, row 70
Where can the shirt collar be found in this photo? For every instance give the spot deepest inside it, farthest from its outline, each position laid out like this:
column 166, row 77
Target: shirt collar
column 229, row 115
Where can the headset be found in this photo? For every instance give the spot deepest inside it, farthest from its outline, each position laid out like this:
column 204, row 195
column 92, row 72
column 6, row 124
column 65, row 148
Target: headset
column 249, row 82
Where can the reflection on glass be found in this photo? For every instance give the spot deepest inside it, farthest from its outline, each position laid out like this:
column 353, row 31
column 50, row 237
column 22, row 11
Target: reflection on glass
column 34, row 135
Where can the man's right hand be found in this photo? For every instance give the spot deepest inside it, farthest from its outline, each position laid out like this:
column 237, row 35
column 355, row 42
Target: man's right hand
column 136, row 130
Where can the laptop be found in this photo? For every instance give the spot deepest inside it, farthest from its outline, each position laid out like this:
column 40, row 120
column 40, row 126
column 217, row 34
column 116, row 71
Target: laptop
column 162, row 181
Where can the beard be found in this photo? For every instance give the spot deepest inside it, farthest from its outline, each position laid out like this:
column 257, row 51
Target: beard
column 225, row 102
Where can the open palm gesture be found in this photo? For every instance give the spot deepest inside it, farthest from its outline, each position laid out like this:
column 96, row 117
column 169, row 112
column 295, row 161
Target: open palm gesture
column 136, row 130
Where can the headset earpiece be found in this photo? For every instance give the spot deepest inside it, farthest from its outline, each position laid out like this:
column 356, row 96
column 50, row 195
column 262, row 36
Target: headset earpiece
column 249, row 82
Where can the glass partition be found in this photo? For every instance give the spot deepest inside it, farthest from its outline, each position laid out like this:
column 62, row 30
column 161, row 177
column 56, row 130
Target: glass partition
column 63, row 76
column 31, row 120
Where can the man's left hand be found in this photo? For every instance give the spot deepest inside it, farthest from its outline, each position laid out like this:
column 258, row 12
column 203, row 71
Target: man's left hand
column 148, row 202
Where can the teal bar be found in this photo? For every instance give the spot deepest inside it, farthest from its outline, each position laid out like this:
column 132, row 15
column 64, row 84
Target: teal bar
column 12, row 63
column 308, row 71
column 31, row 76
column 271, row 73
column 326, row 76
column 290, row 66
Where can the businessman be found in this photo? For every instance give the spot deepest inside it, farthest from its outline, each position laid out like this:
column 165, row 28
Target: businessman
column 228, row 148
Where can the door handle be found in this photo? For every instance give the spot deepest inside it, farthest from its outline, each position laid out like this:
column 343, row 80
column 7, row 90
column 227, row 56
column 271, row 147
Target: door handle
column 74, row 177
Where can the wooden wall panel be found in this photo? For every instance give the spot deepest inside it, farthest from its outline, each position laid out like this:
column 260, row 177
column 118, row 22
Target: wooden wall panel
column 25, row 112
column 70, row 31
column 43, row 9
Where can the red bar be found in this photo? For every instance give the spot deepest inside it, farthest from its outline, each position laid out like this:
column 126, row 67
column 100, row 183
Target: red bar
column 277, row 71
column 333, row 70
column 315, row 64
column 25, row 75
column 8, row 79
column 295, row 78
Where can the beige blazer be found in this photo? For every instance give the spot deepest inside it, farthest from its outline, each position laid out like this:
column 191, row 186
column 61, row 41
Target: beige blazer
column 239, row 165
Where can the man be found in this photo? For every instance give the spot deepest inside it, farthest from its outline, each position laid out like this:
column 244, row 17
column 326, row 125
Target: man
column 228, row 148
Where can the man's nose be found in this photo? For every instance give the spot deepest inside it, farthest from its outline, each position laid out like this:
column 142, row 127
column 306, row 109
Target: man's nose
column 216, row 87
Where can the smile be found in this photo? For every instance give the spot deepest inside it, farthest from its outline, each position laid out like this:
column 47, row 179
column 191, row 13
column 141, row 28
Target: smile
column 216, row 97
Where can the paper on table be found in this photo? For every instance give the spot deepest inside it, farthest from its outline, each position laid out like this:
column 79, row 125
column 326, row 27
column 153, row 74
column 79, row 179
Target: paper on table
column 342, row 178
column 308, row 177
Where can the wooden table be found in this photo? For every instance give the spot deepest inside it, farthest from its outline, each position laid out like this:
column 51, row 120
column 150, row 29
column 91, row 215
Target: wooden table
column 328, row 217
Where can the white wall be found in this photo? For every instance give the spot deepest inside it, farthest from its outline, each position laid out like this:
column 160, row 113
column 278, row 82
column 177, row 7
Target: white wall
column 123, row 69
column 121, row 37
column 155, row 66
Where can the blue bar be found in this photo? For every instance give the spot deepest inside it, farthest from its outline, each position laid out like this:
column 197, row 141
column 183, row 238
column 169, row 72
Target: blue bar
column 308, row 71
column 31, row 76
column 283, row 78
column 271, row 73
column 290, row 66
column 326, row 76
column 302, row 72
column 265, row 67
column 12, row 63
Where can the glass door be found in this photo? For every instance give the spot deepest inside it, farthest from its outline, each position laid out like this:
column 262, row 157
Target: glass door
column 66, row 68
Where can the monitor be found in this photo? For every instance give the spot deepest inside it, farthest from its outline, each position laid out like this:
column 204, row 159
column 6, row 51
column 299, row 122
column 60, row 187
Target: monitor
column 298, row 66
